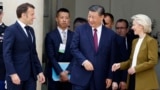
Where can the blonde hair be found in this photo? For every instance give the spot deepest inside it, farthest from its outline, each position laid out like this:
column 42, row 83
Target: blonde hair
column 143, row 20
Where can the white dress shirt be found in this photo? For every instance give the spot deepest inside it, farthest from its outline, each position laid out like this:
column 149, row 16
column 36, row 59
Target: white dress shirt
column 61, row 34
column 99, row 31
column 136, row 51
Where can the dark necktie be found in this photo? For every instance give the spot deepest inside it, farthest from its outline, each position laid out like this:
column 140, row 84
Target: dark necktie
column 28, row 33
column 95, row 37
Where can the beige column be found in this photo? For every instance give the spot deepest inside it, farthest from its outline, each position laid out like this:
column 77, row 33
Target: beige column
column 10, row 18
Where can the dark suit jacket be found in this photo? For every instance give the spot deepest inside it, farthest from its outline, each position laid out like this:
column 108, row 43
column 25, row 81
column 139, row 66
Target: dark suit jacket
column 82, row 48
column 52, row 43
column 122, row 55
column 130, row 37
column 20, row 54
column 2, row 66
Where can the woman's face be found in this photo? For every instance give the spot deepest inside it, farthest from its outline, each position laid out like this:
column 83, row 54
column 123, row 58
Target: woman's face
column 137, row 28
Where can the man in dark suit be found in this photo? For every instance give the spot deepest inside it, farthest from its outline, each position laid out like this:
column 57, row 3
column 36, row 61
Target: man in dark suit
column 122, row 29
column 57, row 45
column 20, row 55
column 2, row 66
column 121, row 53
column 93, row 48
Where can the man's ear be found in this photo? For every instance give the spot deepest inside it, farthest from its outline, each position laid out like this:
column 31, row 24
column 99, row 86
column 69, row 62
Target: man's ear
column 23, row 15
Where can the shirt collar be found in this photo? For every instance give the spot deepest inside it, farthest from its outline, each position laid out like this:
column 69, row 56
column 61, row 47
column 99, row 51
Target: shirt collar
column 21, row 23
column 99, row 28
column 1, row 23
column 60, row 30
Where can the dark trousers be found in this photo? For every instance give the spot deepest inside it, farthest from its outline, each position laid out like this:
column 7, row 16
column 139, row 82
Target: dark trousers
column 89, row 86
column 132, row 82
column 57, row 85
column 29, row 84
column 2, row 85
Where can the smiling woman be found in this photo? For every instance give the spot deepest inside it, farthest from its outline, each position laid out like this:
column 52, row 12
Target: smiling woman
column 143, row 58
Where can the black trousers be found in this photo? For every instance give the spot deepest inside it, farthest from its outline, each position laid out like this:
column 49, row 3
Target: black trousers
column 29, row 84
column 132, row 82
column 90, row 86
column 57, row 85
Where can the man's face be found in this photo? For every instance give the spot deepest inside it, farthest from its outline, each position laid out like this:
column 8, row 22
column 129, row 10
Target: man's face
column 108, row 22
column 94, row 19
column 63, row 20
column 121, row 29
column 29, row 16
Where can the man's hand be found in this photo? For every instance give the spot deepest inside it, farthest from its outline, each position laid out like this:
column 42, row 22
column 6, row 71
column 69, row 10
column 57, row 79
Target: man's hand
column 64, row 76
column 108, row 83
column 41, row 78
column 114, row 86
column 123, row 85
column 88, row 65
column 15, row 79
column 115, row 67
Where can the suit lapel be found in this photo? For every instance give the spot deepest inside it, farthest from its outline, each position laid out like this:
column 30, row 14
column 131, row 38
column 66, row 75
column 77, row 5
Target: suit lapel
column 90, row 36
column 22, row 32
column 102, row 39
column 59, row 39
column 68, row 38
column 142, row 45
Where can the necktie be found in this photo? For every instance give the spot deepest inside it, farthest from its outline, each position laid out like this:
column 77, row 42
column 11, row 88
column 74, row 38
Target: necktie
column 64, row 37
column 28, row 33
column 95, row 37
column 126, row 43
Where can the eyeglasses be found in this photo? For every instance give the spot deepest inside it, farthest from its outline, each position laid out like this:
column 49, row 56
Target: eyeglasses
column 120, row 27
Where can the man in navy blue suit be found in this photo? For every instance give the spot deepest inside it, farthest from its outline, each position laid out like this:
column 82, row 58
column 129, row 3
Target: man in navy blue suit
column 57, row 45
column 2, row 66
column 93, row 48
column 20, row 55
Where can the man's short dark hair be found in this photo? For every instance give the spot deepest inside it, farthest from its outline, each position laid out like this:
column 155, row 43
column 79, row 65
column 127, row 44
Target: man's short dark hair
column 23, row 9
column 62, row 10
column 80, row 19
column 1, row 7
column 97, row 8
column 123, row 20
column 110, row 15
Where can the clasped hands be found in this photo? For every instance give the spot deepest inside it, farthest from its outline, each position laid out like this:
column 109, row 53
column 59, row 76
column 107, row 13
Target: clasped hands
column 64, row 76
